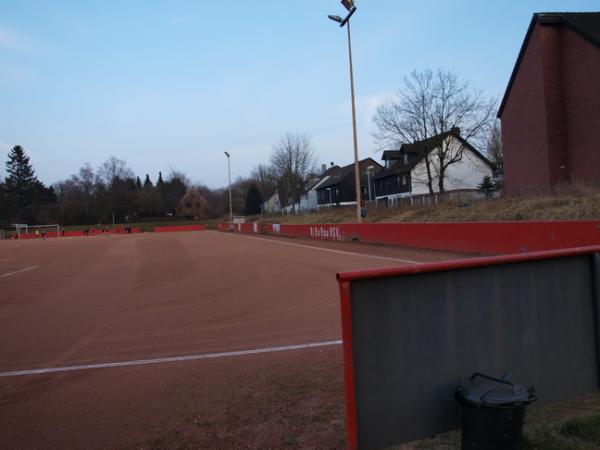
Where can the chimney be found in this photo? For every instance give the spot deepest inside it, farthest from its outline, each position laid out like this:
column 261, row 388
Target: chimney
column 455, row 131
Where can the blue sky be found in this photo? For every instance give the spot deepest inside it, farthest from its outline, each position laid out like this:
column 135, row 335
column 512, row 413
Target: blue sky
column 172, row 84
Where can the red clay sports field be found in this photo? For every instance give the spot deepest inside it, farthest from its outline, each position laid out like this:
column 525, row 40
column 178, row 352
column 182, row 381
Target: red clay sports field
column 167, row 340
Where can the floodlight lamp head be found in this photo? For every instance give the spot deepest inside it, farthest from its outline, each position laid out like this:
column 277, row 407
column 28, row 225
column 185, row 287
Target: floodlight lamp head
column 348, row 4
column 226, row 154
column 337, row 19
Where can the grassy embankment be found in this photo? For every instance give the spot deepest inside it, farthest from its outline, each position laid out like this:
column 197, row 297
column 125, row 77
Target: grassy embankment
column 581, row 204
column 573, row 205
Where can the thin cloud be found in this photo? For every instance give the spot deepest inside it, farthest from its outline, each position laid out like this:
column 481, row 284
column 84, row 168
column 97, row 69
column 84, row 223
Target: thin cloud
column 13, row 41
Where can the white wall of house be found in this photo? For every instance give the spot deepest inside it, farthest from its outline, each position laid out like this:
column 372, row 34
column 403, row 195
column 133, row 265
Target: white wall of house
column 272, row 205
column 464, row 174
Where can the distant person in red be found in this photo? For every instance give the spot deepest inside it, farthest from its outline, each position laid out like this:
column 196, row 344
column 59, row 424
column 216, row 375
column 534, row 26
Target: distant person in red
column 43, row 234
column 37, row 234
column 86, row 231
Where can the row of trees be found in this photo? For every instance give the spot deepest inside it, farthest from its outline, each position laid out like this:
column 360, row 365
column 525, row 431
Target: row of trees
column 92, row 196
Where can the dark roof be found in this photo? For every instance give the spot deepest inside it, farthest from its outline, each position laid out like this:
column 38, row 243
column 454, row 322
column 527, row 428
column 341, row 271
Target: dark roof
column 391, row 154
column 330, row 170
column 585, row 24
column 418, row 150
column 310, row 184
column 343, row 172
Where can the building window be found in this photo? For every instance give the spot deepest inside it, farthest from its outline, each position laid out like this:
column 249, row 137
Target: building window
column 404, row 180
column 397, row 180
column 405, row 156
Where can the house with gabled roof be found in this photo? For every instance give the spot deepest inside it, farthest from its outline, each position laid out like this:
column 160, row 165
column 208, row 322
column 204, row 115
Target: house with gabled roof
column 193, row 205
column 272, row 204
column 340, row 188
column 550, row 110
column 309, row 198
column 405, row 172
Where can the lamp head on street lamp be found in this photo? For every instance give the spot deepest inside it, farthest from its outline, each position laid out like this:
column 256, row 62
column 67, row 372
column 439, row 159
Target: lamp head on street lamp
column 348, row 4
column 226, row 154
column 351, row 7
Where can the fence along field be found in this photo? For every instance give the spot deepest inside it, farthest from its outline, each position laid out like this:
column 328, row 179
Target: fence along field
column 411, row 334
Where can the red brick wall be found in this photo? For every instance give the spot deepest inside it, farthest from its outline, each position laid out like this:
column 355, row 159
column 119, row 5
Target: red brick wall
column 582, row 105
column 554, row 102
column 551, row 119
column 524, row 124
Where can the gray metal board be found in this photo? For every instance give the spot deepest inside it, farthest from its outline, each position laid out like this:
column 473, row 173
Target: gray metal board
column 415, row 337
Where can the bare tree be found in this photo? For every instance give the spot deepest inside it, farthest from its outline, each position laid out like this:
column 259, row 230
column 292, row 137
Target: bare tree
column 114, row 168
column 264, row 178
column 182, row 177
column 293, row 158
column 429, row 104
column 494, row 147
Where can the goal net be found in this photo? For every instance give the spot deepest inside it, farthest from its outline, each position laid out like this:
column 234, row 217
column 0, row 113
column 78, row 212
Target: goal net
column 24, row 231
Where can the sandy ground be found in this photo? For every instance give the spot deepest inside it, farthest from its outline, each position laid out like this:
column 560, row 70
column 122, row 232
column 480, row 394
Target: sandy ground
column 114, row 299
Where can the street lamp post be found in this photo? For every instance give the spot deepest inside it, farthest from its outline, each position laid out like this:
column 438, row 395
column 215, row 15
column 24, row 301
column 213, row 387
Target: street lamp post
column 369, row 171
column 229, row 178
column 349, row 5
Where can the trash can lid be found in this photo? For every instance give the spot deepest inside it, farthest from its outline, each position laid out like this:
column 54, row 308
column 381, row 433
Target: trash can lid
column 485, row 390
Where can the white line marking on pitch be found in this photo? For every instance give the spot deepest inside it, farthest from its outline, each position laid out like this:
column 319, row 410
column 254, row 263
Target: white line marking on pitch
column 18, row 271
column 331, row 250
column 141, row 362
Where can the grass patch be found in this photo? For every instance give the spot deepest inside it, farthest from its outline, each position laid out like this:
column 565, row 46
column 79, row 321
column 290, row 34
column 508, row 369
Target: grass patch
column 150, row 225
column 568, row 425
column 586, row 428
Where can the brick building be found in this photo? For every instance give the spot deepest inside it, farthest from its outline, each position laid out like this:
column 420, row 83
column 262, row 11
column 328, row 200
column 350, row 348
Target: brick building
column 550, row 112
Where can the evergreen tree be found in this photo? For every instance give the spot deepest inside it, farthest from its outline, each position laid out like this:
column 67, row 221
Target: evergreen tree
column 160, row 182
column 253, row 200
column 21, row 184
column 148, row 183
column 487, row 186
column 138, row 183
column 4, row 205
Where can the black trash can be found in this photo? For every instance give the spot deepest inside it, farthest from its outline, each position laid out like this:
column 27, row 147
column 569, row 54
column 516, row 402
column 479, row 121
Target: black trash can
column 492, row 411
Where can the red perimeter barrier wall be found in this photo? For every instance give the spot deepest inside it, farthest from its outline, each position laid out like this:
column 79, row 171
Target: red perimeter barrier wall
column 469, row 237
column 168, row 229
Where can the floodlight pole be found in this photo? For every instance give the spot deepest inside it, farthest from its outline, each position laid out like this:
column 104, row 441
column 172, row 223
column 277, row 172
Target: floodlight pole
column 356, row 165
column 229, row 178
column 352, row 9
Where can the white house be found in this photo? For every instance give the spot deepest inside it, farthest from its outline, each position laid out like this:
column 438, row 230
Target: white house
column 272, row 204
column 406, row 175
